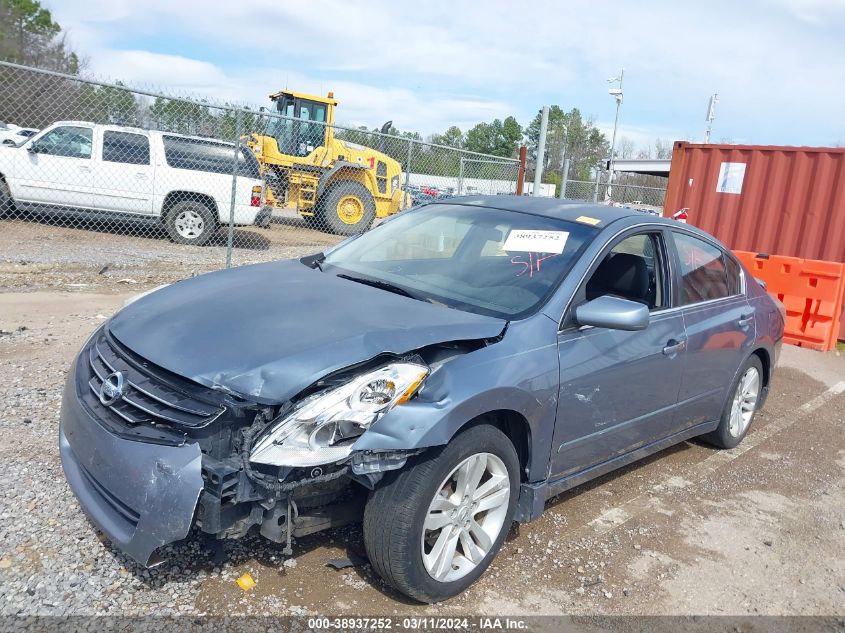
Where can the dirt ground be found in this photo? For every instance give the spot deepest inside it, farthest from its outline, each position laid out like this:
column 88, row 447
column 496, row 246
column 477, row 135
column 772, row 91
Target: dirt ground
column 759, row 529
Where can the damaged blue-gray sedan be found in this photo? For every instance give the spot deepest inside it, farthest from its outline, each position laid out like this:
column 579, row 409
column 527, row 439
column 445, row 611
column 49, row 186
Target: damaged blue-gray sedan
column 436, row 378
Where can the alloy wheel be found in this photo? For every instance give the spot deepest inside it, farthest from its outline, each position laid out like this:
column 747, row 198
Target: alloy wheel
column 465, row 517
column 744, row 402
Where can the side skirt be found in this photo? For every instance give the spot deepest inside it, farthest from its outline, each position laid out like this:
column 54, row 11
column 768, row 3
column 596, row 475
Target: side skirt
column 533, row 496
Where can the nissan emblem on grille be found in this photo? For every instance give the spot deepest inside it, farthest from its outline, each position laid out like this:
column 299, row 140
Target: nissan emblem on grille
column 112, row 388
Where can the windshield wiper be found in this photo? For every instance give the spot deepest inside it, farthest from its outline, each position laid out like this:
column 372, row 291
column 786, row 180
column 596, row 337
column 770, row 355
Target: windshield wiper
column 384, row 285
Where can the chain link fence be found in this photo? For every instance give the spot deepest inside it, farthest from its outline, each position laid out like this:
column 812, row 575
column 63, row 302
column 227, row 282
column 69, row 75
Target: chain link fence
column 150, row 185
column 648, row 199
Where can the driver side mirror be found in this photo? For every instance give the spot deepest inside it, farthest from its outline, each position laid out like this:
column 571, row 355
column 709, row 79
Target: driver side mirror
column 614, row 313
column 32, row 148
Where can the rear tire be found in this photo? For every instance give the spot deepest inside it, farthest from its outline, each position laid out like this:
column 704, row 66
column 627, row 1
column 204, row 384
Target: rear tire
column 347, row 208
column 190, row 222
column 425, row 533
column 740, row 407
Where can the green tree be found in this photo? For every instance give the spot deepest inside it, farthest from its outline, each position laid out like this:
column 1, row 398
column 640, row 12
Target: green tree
column 569, row 136
column 452, row 137
column 497, row 138
column 105, row 104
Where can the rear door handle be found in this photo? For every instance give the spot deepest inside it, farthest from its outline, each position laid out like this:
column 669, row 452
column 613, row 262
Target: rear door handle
column 141, row 176
column 745, row 320
column 674, row 347
column 84, row 168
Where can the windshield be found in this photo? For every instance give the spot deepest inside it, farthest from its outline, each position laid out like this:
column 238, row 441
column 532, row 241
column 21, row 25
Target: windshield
column 477, row 259
column 298, row 137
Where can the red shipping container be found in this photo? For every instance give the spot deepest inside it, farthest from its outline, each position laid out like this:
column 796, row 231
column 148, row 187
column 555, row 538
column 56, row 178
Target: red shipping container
column 766, row 199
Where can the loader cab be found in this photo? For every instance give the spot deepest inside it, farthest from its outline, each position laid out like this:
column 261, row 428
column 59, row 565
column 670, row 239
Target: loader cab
column 304, row 127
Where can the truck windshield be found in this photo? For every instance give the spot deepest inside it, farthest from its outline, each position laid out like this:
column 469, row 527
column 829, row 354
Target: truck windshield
column 303, row 127
column 478, row 259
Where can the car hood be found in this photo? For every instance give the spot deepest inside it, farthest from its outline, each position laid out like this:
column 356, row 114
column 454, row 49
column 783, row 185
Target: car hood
column 268, row 331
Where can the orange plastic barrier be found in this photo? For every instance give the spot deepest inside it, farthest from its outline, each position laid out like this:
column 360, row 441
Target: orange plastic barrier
column 812, row 291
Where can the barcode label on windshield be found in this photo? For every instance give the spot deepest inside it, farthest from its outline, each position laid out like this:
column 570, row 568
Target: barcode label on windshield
column 536, row 241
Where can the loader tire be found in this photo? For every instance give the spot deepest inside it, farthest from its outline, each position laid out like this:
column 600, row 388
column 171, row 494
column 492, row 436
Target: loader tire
column 347, row 208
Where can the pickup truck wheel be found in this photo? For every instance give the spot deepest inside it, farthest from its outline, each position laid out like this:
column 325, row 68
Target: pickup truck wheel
column 347, row 208
column 740, row 407
column 190, row 222
column 431, row 529
column 7, row 204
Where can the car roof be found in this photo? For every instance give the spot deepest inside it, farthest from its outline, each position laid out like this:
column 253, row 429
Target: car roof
column 574, row 210
column 138, row 130
column 550, row 207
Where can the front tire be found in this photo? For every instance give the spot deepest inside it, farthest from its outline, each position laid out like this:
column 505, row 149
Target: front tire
column 7, row 203
column 431, row 529
column 740, row 407
column 347, row 208
column 190, row 222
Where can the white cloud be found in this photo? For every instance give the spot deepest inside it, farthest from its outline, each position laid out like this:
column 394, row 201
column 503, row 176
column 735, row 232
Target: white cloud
column 777, row 64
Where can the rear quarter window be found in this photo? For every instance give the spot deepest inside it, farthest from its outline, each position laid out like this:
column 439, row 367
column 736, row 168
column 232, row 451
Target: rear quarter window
column 208, row 156
column 703, row 270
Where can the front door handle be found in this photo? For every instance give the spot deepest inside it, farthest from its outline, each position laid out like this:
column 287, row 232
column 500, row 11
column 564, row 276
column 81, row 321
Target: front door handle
column 674, row 347
column 84, row 168
column 745, row 320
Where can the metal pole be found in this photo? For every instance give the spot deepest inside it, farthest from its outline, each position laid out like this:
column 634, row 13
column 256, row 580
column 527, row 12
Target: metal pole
column 461, row 177
column 564, row 178
column 408, row 164
column 231, row 238
column 541, row 151
column 596, row 190
column 711, row 114
column 613, row 142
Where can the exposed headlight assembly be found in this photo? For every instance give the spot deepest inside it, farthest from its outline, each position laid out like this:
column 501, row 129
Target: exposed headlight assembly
column 323, row 427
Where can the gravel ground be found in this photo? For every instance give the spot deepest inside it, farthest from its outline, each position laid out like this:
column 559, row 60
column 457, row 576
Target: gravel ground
column 756, row 530
column 51, row 254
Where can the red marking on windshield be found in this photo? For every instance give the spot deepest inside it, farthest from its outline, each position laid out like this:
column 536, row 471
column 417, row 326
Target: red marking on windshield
column 532, row 265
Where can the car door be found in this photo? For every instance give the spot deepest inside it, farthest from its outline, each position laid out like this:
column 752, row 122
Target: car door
column 719, row 322
column 123, row 177
column 618, row 389
column 57, row 168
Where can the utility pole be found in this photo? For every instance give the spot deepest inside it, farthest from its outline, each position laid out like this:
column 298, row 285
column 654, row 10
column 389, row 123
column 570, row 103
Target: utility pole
column 616, row 93
column 541, row 151
column 711, row 115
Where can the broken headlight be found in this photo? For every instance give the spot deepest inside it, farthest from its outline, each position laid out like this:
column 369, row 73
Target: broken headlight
column 323, row 427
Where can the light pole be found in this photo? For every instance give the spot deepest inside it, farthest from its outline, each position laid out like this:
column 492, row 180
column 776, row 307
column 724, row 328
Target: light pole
column 711, row 114
column 616, row 93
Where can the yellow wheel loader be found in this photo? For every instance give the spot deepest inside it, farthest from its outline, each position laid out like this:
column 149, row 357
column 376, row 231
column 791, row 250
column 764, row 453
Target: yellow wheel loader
column 337, row 186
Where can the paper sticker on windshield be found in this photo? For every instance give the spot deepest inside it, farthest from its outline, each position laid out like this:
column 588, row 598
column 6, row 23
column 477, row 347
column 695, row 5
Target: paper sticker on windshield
column 585, row 219
column 536, row 241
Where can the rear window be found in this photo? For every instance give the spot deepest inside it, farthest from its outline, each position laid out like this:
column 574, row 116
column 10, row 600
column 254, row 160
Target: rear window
column 202, row 155
column 125, row 147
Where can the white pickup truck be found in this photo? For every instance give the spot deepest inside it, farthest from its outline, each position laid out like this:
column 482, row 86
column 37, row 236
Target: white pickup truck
column 108, row 171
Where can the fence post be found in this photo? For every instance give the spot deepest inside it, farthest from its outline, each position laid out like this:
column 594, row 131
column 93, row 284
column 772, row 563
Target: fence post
column 520, row 172
column 541, row 151
column 596, row 190
column 408, row 167
column 231, row 237
column 461, row 177
column 564, row 178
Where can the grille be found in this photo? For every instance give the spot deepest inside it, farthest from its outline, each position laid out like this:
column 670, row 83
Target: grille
column 151, row 398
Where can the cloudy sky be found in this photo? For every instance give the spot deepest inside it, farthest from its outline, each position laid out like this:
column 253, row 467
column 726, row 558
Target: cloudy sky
column 778, row 65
